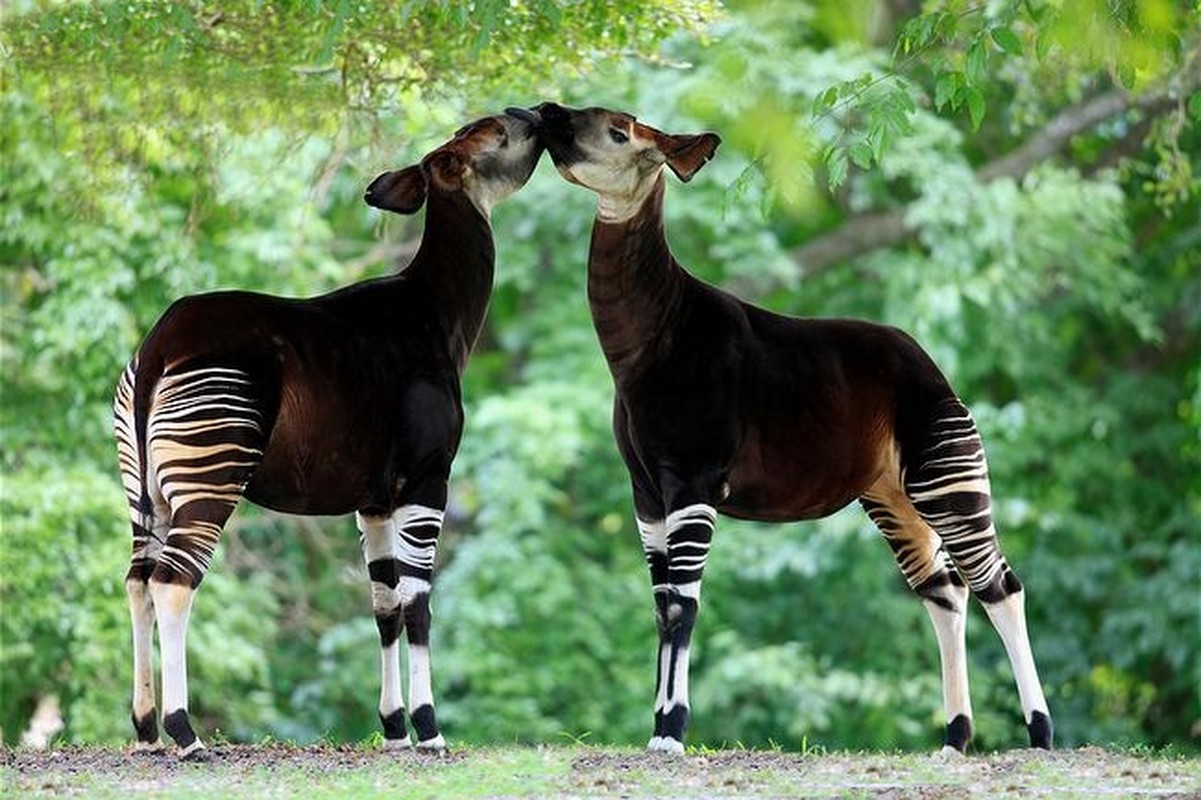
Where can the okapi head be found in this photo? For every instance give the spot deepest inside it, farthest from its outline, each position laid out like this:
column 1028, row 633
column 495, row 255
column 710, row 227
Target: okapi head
column 615, row 155
column 487, row 160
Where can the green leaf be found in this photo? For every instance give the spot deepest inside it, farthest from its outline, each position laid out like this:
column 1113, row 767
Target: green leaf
column 836, row 167
column 1042, row 44
column 977, row 61
column 1007, row 40
column 1127, row 75
column 861, row 154
column 1194, row 107
column 944, row 89
column 825, row 101
column 975, row 106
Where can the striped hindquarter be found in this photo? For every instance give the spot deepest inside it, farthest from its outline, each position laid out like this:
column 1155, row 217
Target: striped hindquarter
column 934, row 508
column 204, row 439
column 185, row 460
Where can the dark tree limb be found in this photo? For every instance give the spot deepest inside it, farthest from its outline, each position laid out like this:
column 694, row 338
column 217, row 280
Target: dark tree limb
column 865, row 233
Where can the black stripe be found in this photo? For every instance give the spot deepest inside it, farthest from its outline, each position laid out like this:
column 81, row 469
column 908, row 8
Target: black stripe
column 425, row 724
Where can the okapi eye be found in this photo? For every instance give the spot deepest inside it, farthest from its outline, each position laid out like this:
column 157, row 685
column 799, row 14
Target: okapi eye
column 618, row 135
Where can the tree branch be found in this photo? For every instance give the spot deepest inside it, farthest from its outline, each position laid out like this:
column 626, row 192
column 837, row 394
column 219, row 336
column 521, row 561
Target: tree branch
column 865, row 233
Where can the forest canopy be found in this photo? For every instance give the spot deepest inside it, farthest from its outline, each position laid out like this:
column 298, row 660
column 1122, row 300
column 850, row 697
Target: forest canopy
column 1016, row 185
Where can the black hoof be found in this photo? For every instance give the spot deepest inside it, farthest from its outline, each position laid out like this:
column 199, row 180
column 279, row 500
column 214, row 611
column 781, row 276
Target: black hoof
column 1041, row 730
column 425, row 726
column 146, row 728
column 178, row 728
column 959, row 733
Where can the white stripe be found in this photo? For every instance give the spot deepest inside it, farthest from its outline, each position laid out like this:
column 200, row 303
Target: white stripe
column 653, row 535
column 697, row 513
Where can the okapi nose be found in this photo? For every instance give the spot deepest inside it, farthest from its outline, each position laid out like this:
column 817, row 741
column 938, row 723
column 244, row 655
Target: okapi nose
column 552, row 113
column 524, row 114
column 377, row 187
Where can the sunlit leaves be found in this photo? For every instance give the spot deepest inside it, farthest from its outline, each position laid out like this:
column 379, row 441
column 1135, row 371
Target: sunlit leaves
column 305, row 64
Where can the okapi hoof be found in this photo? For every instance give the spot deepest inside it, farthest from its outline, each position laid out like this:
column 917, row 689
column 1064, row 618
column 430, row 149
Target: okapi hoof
column 404, row 743
column 425, row 726
column 148, row 749
column 959, row 733
column 178, row 728
column 665, row 744
column 1041, row 730
column 434, row 745
column 197, row 753
column 396, row 736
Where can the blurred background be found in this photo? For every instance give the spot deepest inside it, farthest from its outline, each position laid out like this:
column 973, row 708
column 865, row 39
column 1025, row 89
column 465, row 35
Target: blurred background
column 1014, row 184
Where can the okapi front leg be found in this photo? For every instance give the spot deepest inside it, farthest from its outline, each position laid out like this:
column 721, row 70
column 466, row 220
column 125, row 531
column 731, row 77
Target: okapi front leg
column 378, row 539
column 683, row 546
column 417, row 529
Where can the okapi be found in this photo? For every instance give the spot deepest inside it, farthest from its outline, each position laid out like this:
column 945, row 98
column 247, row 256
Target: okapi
column 724, row 407
column 345, row 402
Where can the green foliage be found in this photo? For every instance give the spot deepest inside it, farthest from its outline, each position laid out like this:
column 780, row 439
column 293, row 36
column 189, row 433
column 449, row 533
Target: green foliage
column 304, row 65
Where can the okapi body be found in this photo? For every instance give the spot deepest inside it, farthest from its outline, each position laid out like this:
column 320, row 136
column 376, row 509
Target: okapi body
column 724, row 407
column 347, row 402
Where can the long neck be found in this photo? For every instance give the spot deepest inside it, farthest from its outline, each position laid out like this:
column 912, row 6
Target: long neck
column 455, row 261
column 634, row 286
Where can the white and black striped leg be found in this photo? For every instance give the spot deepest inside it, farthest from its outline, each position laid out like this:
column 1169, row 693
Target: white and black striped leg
column 417, row 529
column 654, row 546
column 949, row 486
column 1008, row 616
column 378, row 539
column 145, row 710
column 184, row 560
column 399, row 551
column 172, row 607
column 945, row 600
column 204, row 442
column 149, row 535
column 943, row 593
column 147, row 543
column 686, row 534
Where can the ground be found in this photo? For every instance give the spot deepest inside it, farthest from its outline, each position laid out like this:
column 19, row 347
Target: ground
column 321, row 771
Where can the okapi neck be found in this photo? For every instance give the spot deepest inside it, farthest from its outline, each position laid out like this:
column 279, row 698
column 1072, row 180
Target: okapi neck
column 634, row 286
column 455, row 260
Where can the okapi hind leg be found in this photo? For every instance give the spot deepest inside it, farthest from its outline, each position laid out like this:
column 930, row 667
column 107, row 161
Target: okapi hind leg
column 144, row 714
column 148, row 516
column 184, row 561
column 947, row 480
column 149, row 534
column 205, row 439
column 1008, row 617
column 943, row 594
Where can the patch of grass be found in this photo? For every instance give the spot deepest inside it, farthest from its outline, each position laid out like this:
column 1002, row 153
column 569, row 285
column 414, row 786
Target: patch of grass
column 324, row 772
column 371, row 773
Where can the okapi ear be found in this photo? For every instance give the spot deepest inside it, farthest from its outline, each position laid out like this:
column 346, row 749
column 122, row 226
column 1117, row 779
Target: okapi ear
column 687, row 153
column 446, row 169
column 402, row 191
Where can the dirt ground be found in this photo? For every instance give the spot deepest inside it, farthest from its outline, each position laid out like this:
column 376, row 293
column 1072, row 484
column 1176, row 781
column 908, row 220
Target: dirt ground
column 594, row 772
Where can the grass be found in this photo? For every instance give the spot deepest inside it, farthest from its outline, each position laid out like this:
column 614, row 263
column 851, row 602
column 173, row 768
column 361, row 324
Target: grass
column 582, row 771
